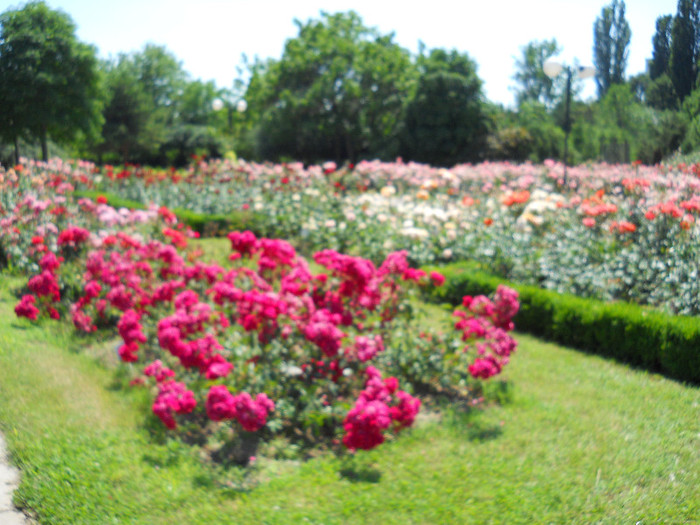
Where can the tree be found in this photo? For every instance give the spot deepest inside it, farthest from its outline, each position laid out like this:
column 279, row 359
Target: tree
column 611, row 38
column 336, row 93
column 129, row 132
column 49, row 81
column 661, row 94
column 690, row 109
column 661, row 43
column 533, row 84
column 546, row 136
column 195, row 102
column 660, row 134
column 147, row 97
column 639, row 84
column 162, row 78
column 445, row 122
column 685, row 47
column 194, row 132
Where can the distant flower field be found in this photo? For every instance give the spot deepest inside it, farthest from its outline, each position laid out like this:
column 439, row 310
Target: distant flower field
column 269, row 345
column 615, row 232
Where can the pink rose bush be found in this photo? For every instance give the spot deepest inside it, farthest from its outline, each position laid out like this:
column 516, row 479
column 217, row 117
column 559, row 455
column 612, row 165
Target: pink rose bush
column 173, row 398
column 266, row 343
column 250, row 413
column 263, row 344
column 485, row 323
column 379, row 406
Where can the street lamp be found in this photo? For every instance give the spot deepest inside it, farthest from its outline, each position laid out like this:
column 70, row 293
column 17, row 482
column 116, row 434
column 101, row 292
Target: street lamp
column 227, row 100
column 217, row 105
column 553, row 69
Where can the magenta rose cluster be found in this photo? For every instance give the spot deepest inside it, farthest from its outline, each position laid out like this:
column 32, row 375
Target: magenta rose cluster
column 379, row 406
column 262, row 337
column 250, row 413
column 485, row 323
column 44, row 287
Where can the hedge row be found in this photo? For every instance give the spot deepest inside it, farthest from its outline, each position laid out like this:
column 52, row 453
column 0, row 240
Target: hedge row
column 207, row 225
column 627, row 332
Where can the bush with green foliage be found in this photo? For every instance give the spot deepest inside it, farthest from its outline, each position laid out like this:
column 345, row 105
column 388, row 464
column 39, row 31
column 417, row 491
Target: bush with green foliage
column 640, row 336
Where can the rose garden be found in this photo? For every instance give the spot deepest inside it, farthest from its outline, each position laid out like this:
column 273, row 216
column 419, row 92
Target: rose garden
column 268, row 313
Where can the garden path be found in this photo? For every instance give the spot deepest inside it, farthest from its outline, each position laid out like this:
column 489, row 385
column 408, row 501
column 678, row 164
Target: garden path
column 9, row 478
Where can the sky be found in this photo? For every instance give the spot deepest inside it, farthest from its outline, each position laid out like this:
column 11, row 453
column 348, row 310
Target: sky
column 210, row 36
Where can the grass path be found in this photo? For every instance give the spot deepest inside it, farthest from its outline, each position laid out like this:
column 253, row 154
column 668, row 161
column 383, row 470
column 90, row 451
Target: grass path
column 578, row 439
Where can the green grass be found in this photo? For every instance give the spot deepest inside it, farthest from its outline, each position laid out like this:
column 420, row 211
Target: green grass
column 216, row 250
column 578, row 439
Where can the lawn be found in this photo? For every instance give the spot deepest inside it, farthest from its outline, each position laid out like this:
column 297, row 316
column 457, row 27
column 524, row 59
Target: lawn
column 567, row 438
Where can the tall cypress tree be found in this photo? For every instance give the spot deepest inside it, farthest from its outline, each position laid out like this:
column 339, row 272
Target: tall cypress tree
column 611, row 38
column 685, row 47
column 661, row 42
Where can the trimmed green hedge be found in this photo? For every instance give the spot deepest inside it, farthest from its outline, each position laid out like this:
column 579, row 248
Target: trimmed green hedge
column 113, row 200
column 206, row 225
column 627, row 332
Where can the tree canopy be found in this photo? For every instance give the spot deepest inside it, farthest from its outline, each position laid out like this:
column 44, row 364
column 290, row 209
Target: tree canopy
column 445, row 122
column 661, row 47
column 336, row 93
column 49, row 81
column 342, row 91
column 685, row 47
column 611, row 34
column 533, row 84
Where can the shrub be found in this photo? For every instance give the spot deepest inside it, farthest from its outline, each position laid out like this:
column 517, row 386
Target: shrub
column 264, row 345
column 626, row 332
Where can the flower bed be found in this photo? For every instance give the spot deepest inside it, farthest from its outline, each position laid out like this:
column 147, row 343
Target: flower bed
column 264, row 346
column 610, row 232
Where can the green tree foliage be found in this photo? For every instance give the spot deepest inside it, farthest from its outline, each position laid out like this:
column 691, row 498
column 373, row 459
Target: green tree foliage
column 445, row 122
column 336, row 93
column 513, row 143
column 154, row 113
column 160, row 73
column 661, row 47
column 691, row 112
column 194, row 130
column 195, row 103
column 639, row 84
column 685, row 47
column 619, row 128
column 659, row 135
column 49, row 81
column 187, row 140
column 528, row 133
column 548, row 138
column 616, row 107
column 533, row 84
column 129, row 132
column 611, row 35
column 661, row 94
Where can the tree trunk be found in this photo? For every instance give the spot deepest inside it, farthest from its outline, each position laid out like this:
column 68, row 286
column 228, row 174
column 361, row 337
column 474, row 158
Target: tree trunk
column 16, row 150
column 44, row 146
column 349, row 150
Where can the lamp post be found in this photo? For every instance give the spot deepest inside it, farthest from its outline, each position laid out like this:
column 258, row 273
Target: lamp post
column 553, row 69
column 230, row 103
